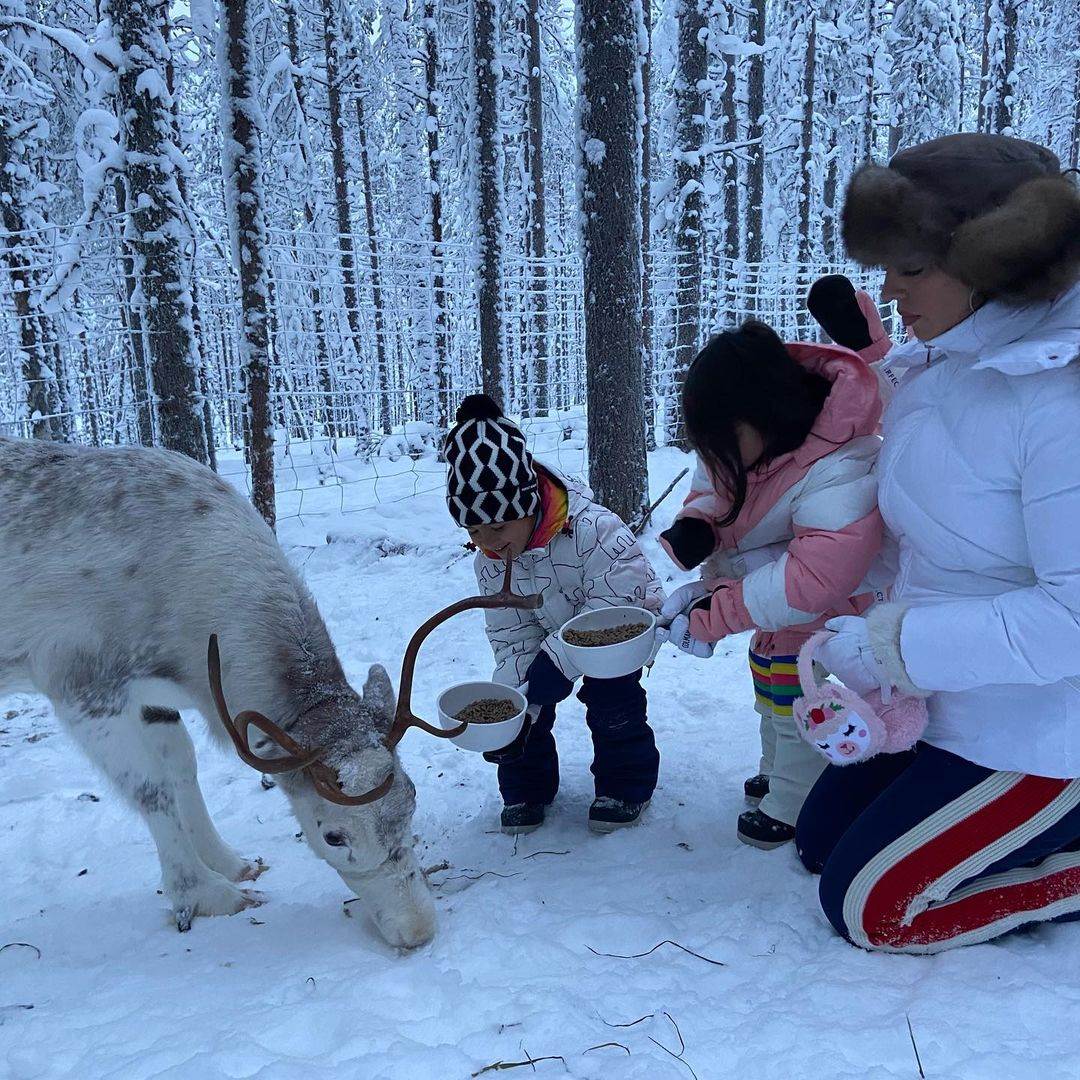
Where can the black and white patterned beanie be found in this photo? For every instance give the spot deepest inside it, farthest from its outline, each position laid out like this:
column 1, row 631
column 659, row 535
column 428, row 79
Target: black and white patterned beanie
column 490, row 476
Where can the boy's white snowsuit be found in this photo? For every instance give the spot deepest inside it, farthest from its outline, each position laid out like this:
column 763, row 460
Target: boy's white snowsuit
column 594, row 562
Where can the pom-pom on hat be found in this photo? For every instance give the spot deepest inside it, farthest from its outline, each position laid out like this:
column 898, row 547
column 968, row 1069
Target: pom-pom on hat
column 490, row 474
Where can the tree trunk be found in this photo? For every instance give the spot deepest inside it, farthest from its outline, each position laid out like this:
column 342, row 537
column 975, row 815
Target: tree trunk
column 537, row 214
column 344, row 241
column 1074, row 146
column 489, row 168
column 32, row 343
column 647, row 353
column 869, row 117
column 806, row 155
column 732, row 213
column 692, row 70
column 382, row 374
column 154, row 225
column 755, row 169
column 1005, row 74
column 433, row 99
column 241, row 161
column 608, row 63
column 135, row 341
column 985, row 65
column 324, row 407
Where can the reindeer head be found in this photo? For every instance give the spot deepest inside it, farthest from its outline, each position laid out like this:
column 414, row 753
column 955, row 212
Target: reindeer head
column 369, row 843
column 350, row 794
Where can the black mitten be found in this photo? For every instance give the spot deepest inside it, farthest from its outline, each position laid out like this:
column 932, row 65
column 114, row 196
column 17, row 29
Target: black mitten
column 547, row 684
column 833, row 303
column 515, row 749
column 689, row 541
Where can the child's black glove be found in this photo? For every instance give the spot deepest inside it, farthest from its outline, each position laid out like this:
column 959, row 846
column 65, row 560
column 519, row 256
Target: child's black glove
column 689, row 542
column 833, row 303
column 516, row 748
column 547, row 684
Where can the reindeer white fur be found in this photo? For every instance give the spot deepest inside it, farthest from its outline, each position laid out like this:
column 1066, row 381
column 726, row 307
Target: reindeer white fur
column 116, row 566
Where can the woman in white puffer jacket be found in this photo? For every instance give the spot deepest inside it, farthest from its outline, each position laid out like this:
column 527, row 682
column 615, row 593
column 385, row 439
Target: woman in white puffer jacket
column 977, row 830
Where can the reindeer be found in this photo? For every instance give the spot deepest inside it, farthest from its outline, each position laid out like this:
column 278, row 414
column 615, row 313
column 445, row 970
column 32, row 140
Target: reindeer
column 137, row 583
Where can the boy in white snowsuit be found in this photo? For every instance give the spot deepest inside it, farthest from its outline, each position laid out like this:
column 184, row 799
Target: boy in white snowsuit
column 579, row 556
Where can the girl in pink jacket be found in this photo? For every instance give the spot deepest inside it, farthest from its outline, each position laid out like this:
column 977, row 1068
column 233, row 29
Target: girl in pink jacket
column 783, row 513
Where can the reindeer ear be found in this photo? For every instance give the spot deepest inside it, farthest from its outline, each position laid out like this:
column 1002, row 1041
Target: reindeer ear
column 379, row 692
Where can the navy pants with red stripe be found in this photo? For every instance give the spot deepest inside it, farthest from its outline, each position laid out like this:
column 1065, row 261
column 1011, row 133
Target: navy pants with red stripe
column 924, row 851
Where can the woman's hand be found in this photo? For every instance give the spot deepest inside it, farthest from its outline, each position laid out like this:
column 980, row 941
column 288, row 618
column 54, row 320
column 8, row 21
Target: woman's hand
column 849, row 656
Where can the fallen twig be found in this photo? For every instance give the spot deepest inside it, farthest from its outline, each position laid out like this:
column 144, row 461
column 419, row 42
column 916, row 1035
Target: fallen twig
column 633, row 1023
column 914, row 1046
column 475, row 877
column 682, row 1046
column 501, row 1066
column 600, row 1046
column 21, row 945
column 15, row 1006
column 649, row 952
column 639, row 526
column 535, row 853
column 437, row 868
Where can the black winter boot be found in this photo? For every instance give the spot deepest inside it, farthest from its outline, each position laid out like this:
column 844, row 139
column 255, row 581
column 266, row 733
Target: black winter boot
column 759, row 830
column 606, row 814
column 755, row 788
column 522, row 818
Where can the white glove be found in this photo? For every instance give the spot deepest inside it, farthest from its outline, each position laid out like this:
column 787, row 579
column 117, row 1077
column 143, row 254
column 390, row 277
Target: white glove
column 679, row 635
column 849, row 656
column 681, row 601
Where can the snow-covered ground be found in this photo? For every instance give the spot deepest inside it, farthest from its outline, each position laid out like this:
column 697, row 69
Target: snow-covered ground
column 295, row 989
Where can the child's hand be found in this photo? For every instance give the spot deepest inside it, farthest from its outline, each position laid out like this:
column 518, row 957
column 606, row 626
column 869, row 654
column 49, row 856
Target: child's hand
column 834, row 303
column 681, row 601
column 680, row 636
column 546, row 684
column 688, row 542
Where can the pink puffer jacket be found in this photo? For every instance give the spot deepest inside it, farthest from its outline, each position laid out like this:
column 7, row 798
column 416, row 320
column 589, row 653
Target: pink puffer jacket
column 810, row 525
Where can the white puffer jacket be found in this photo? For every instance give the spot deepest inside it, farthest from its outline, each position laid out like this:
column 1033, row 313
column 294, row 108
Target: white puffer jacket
column 595, row 562
column 979, row 480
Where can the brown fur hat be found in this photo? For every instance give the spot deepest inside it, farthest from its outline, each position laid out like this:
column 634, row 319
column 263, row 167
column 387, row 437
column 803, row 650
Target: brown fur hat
column 993, row 211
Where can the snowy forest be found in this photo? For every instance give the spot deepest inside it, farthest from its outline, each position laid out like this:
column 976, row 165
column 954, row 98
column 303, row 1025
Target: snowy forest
column 318, row 224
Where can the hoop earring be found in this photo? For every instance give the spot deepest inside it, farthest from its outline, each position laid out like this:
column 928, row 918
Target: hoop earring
column 972, row 305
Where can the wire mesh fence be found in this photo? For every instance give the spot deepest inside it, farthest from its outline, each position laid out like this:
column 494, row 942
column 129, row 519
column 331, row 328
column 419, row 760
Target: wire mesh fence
column 368, row 360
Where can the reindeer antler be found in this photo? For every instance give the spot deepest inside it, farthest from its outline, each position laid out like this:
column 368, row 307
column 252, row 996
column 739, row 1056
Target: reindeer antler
column 404, row 717
column 325, row 779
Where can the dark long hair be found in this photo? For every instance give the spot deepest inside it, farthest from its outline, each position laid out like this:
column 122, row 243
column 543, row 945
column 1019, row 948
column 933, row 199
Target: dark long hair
column 747, row 375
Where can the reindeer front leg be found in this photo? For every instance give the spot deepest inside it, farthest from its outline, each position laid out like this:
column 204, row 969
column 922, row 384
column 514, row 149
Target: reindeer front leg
column 166, row 732
column 119, row 744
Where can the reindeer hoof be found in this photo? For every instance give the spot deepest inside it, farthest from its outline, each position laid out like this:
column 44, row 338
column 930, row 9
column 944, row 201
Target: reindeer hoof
column 252, row 870
column 215, row 896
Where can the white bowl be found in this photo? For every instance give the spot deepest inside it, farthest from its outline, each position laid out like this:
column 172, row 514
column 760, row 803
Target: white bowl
column 611, row 661
column 481, row 737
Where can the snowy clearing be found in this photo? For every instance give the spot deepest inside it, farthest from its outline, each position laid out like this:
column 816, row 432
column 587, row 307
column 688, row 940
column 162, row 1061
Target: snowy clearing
column 297, row 989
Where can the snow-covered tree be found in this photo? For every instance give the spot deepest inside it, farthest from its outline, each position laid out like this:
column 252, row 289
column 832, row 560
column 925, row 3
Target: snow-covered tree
column 686, row 210
column 156, row 230
column 487, row 71
column 609, row 108
column 242, row 123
